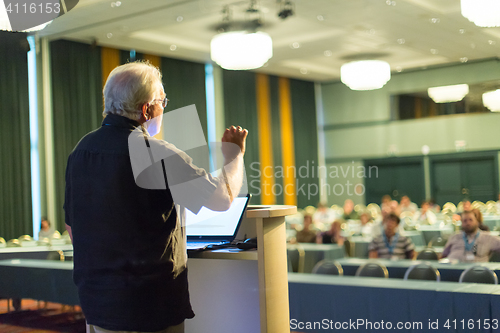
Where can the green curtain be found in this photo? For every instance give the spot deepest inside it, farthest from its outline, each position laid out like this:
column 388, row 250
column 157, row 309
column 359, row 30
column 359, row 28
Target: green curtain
column 184, row 83
column 306, row 139
column 276, row 135
column 77, row 104
column 15, row 172
column 240, row 108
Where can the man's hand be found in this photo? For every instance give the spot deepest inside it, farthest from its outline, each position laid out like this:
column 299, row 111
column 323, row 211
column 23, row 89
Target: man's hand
column 235, row 135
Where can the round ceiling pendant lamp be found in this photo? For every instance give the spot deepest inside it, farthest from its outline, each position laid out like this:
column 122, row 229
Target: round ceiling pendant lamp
column 491, row 100
column 241, row 50
column 483, row 13
column 365, row 74
column 448, row 94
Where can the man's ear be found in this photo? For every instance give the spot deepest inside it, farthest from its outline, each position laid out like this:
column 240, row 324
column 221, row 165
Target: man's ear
column 144, row 109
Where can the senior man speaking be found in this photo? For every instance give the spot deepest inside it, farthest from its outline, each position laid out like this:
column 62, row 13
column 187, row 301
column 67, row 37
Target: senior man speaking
column 129, row 242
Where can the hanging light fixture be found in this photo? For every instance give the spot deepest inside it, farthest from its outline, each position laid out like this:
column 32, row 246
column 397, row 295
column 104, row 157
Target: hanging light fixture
column 448, row 94
column 491, row 100
column 241, row 50
column 240, row 46
column 365, row 74
column 483, row 13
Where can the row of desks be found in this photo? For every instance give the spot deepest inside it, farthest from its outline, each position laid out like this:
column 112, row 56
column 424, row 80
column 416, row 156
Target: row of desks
column 422, row 306
column 313, row 298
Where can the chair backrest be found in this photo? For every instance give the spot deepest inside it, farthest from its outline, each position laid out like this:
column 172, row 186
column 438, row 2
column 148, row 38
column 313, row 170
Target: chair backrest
column 437, row 241
column 55, row 255
column 372, row 269
column 478, row 274
column 427, row 254
column 328, row 267
column 348, row 248
column 13, row 243
column 422, row 271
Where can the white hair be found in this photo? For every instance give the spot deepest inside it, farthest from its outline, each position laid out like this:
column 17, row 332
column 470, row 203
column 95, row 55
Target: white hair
column 128, row 87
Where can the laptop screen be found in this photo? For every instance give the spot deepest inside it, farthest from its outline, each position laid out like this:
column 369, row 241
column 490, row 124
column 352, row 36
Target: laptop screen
column 216, row 224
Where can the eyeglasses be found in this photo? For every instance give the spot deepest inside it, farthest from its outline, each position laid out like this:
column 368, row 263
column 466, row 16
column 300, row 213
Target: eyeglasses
column 163, row 101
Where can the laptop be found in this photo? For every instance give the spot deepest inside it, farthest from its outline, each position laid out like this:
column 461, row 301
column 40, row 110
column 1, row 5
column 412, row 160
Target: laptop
column 214, row 228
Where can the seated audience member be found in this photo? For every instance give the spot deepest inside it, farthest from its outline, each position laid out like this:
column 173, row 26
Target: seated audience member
column 323, row 214
column 391, row 244
column 407, row 206
column 307, row 234
column 349, row 213
column 366, row 224
column 471, row 244
column 435, row 208
column 333, row 235
column 466, row 206
column 46, row 230
column 386, row 200
column 425, row 215
column 479, row 217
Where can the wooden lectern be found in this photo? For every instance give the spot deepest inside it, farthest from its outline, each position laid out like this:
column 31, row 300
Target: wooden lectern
column 244, row 291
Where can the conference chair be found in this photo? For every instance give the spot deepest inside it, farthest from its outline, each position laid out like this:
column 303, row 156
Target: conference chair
column 437, row 241
column 296, row 258
column 372, row 269
column 348, row 247
column 422, row 271
column 328, row 267
column 427, row 254
column 3, row 243
column 478, row 274
column 13, row 243
column 56, row 255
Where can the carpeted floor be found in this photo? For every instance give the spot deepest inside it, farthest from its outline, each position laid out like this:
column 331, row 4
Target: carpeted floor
column 41, row 318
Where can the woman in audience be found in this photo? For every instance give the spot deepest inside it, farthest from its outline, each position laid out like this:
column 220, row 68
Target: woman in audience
column 479, row 217
column 332, row 236
column 46, row 230
column 307, row 234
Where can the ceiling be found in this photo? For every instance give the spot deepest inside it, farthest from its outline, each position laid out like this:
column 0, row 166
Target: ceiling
column 310, row 45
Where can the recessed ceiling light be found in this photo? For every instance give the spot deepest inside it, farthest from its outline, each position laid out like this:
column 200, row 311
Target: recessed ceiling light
column 295, row 45
column 399, row 69
column 179, row 18
column 328, row 53
column 390, row 3
column 491, row 42
column 303, row 70
column 401, row 41
column 434, row 51
column 173, row 47
column 320, row 18
column 464, row 59
column 109, row 35
column 462, row 31
column 435, row 20
column 116, row 4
